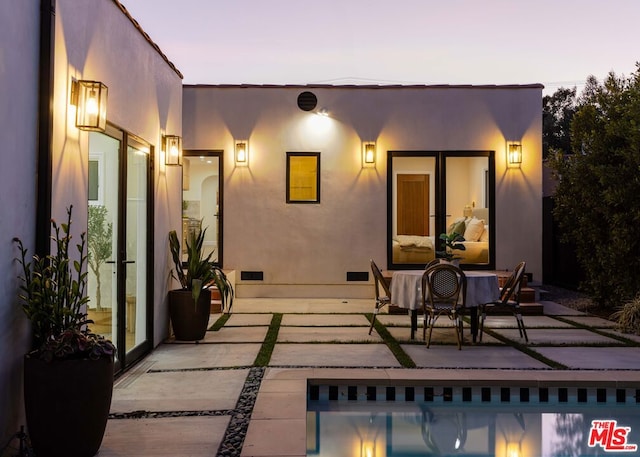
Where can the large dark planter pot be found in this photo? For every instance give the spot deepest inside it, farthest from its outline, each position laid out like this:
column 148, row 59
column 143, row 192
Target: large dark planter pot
column 189, row 320
column 67, row 405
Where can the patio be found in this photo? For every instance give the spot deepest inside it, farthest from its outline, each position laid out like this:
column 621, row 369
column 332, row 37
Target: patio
column 196, row 399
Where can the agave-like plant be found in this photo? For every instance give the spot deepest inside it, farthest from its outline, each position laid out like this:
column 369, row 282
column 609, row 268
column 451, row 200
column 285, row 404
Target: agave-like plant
column 198, row 273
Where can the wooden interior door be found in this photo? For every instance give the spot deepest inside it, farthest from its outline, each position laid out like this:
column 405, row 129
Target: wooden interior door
column 413, row 204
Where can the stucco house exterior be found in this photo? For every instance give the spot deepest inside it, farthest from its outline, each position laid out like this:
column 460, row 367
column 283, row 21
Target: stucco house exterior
column 455, row 137
column 299, row 215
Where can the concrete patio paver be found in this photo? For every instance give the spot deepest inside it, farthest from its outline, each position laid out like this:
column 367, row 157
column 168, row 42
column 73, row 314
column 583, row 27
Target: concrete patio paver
column 182, row 356
column 347, row 355
column 242, row 320
column 570, row 336
column 276, row 438
column 592, row 321
column 529, row 322
column 438, row 356
column 325, row 320
column 169, row 436
column 555, row 309
column 237, row 335
column 594, row 358
column 326, row 335
column 180, row 391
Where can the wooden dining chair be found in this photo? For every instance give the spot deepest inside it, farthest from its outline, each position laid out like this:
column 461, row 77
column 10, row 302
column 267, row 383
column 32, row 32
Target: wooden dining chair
column 444, row 291
column 381, row 300
column 509, row 299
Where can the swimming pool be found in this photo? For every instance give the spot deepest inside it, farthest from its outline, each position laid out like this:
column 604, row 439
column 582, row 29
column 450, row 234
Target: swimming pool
column 421, row 420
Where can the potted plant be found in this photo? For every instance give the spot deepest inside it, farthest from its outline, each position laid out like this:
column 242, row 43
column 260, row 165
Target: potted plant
column 451, row 242
column 68, row 374
column 189, row 306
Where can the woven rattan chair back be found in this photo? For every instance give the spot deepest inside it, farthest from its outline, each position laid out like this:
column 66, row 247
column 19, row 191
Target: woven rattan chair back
column 381, row 299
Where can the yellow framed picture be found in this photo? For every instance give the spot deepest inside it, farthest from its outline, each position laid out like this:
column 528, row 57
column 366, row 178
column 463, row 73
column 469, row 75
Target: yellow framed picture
column 303, row 177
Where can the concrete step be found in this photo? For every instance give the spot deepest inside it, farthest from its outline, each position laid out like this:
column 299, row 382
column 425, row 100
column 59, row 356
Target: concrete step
column 528, row 295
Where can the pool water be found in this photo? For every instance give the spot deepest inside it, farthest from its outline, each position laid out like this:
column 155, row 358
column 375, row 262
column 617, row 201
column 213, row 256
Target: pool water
column 380, row 421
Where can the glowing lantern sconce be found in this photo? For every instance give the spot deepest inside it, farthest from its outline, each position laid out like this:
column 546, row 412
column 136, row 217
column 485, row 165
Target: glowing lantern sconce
column 513, row 450
column 242, row 152
column 172, row 150
column 90, row 99
column 369, row 154
column 514, row 154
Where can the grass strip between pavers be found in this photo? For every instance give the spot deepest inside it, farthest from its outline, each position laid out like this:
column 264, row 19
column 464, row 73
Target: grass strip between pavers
column 392, row 344
column 217, row 325
column 264, row 356
column 527, row 350
column 600, row 331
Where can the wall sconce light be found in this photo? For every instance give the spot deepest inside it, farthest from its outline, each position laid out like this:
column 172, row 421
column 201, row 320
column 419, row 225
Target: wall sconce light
column 369, row 154
column 513, row 450
column 242, row 152
column 90, row 99
column 367, row 448
column 172, row 150
column 514, row 154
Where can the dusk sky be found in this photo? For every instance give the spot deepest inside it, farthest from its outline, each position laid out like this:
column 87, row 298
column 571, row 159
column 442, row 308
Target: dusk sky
column 553, row 42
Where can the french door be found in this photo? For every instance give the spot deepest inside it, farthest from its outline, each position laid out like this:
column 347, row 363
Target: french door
column 119, row 240
column 427, row 193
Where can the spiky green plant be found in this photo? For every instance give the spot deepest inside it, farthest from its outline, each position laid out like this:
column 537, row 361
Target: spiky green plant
column 628, row 316
column 198, row 272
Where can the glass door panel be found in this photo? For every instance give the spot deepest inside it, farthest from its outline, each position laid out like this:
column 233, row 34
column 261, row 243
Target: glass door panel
column 135, row 262
column 201, row 189
column 118, row 240
column 102, row 229
column 467, row 199
column 413, row 209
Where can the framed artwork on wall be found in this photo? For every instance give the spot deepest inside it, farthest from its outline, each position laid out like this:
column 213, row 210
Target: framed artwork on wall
column 303, row 177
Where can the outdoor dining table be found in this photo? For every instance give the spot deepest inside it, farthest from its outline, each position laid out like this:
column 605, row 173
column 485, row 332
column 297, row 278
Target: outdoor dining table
column 406, row 285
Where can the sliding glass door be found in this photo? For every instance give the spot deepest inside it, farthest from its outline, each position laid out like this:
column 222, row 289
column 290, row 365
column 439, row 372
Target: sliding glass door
column 435, row 192
column 119, row 242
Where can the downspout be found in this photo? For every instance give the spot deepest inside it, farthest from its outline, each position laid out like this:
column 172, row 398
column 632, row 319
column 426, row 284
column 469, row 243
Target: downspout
column 44, row 178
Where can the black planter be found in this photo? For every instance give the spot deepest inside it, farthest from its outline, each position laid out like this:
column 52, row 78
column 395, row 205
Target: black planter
column 189, row 320
column 67, row 405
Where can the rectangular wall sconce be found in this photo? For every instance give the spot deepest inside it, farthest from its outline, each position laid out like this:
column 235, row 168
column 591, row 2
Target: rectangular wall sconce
column 369, row 154
column 90, row 99
column 514, row 154
column 242, row 152
column 172, row 150
column 513, row 450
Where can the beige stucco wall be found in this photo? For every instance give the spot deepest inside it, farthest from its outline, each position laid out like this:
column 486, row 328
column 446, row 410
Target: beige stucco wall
column 95, row 40
column 306, row 250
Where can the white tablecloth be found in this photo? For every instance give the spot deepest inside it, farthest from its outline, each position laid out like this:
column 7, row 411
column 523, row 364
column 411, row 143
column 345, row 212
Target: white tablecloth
column 482, row 287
